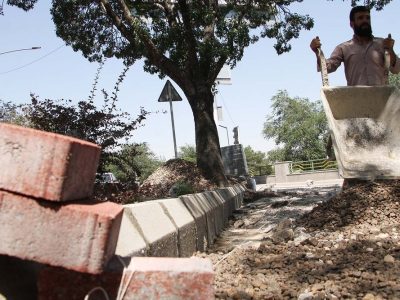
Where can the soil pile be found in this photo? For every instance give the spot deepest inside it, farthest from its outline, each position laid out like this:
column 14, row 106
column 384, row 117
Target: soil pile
column 175, row 171
column 364, row 204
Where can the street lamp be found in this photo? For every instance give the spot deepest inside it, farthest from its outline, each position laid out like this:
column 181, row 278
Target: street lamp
column 24, row 49
column 227, row 135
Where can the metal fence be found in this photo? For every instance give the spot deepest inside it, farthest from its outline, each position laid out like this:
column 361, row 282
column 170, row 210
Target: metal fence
column 312, row 165
column 258, row 170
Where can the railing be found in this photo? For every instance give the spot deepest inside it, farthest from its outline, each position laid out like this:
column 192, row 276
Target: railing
column 312, row 165
column 258, row 170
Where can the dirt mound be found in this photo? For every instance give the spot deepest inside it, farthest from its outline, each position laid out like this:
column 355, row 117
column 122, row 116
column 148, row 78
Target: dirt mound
column 174, row 171
column 373, row 203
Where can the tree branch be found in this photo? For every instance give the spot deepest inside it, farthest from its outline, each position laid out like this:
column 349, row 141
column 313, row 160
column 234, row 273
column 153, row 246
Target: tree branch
column 152, row 53
column 169, row 13
column 191, row 40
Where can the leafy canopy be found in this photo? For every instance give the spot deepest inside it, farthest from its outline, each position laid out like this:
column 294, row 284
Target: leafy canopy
column 298, row 126
column 172, row 35
column 257, row 162
column 133, row 162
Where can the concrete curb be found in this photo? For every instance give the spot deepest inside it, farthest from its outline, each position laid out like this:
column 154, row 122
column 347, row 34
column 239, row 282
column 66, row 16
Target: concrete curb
column 177, row 227
column 156, row 228
column 184, row 224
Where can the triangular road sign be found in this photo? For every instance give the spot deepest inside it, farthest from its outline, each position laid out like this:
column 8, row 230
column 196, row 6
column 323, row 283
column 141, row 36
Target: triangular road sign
column 169, row 93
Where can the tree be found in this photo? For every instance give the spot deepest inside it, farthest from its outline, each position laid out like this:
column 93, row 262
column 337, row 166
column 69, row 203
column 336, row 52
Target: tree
column 12, row 113
column 188, row 152
column 133, row 162
column 298, row 126
column 23, row 4
column 189, row 41
column 257, row 162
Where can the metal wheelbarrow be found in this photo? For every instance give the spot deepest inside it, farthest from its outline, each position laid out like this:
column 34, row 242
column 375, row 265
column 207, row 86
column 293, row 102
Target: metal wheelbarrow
column 364, row 123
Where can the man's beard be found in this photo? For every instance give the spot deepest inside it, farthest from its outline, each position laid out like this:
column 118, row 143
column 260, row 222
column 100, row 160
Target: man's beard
column 363, row 30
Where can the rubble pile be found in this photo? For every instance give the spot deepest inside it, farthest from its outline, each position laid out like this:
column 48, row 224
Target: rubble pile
column 345, row 247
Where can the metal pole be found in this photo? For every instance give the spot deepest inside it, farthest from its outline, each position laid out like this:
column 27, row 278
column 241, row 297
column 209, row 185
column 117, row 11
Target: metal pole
column 227, row 135
column 32, row 48
column 173, row 127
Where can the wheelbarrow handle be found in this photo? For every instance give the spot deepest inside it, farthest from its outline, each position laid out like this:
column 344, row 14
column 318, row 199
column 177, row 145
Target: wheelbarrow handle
column 387, row 62
column 324, row 69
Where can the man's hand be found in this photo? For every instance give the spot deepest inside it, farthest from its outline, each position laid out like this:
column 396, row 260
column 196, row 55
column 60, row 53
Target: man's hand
column 315, row 44
column 388, row 43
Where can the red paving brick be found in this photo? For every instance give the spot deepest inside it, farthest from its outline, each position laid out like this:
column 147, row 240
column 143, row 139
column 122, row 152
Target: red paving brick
column 46, row 165
column 78, row 236
column 171, row 278
column 152, row 278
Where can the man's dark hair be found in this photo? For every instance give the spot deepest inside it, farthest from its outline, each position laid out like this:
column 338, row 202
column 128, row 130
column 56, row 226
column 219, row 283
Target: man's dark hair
column 357, row 9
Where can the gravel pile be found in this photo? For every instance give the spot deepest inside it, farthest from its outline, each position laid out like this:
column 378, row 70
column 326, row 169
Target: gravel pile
column 313, row 247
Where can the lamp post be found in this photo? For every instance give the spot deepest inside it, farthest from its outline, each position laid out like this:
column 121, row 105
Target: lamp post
column 23, row 49
column 227, row 135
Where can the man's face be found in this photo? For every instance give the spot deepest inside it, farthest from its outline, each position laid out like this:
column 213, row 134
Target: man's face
column 362, row 24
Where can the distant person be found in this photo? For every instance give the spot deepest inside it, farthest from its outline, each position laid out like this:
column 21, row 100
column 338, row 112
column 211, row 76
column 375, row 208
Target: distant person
column 364, row 55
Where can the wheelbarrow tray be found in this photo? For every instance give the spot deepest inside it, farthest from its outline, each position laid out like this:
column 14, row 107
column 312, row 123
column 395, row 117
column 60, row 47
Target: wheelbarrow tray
column 364, row 122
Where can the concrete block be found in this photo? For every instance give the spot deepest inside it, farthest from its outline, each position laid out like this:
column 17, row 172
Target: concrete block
column 46, row 165
column 223, row 205
column 200, row 220
column 157, row 229
column 130, row 241
column 218, row 209
column 77, row 236
column 210, row 212
column 146, row 278
column 185, row 224
column 235, row 196
column 240, row 190
column 229, row 199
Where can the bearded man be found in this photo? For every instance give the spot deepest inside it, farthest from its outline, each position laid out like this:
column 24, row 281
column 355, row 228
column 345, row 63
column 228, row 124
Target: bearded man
column 364, row 55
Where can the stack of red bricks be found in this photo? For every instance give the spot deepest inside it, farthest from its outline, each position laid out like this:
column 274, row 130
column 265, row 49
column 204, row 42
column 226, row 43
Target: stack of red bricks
column 46, row 216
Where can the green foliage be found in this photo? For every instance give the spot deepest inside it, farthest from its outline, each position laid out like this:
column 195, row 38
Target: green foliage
column 12, row 113
column 23, row 4
column 257, row 162
column 298, row 126
column 188, row 153
column 394, row 79
column 107, row 127
column 189, row 32
column 182, row 188
column 133, row 162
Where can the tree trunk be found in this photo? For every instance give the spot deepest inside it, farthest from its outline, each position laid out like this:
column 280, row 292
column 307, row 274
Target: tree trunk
column 208, row 151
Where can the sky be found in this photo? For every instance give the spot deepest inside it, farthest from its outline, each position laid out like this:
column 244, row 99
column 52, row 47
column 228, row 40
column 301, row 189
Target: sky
column 57, row 72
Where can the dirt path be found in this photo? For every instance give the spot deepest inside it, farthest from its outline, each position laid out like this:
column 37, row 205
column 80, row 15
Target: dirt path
column 344, row 247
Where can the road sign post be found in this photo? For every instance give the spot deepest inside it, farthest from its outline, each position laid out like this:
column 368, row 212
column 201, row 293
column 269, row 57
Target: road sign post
column 169, row 94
